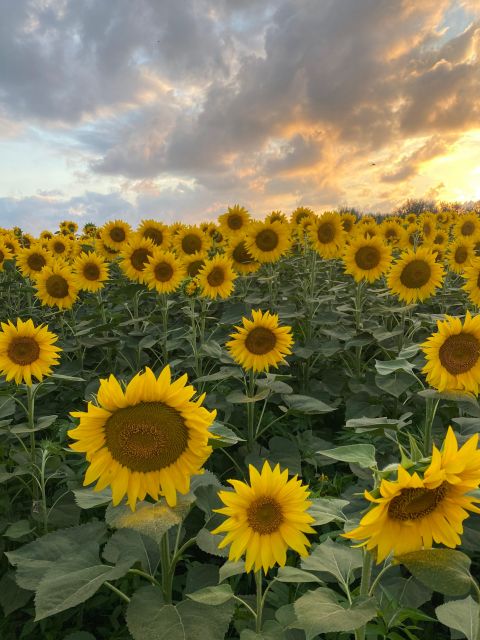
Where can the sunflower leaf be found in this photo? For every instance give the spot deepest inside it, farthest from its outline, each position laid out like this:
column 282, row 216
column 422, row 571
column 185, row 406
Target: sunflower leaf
column 461, row 615
column 443, row 570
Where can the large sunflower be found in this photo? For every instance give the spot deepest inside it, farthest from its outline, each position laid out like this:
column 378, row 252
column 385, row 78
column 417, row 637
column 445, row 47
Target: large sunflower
column 134, row 257
column 216, row 277
column 327, row 235
column 415, row 276
column 300, row 213
column 392, row 232
column 367, row 259
column 265, row 518
column 5, row 254
column 456, row 466
column 116, row 234
column 260, row 343
column 472, row 281
column 467, row 224
column 453, row 355
column 91, row 271
column 190, row 240
column 164, row 271
column 267, row 241
column 349, row 220
column 31, row 261
column 26, row 351
column 460, row 254
column 157, row 232
column 428, row 225
column 412, row 513
column 242, row 260
column 234, row 221
column 194, row 263
column 56, row 286
column 148, row 438
column 60, row 246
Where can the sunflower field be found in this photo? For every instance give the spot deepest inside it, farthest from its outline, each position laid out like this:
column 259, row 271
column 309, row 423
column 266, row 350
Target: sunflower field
column 244, row 429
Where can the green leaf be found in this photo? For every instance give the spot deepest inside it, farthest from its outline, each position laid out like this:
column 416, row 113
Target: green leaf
column 362, row 425
column 386, row 368
column 225, row 436
column 7, row 406
column 18, row 529
column 271, row 630
column 42, row 423
column 60, row 376
column 89, row 498
column 79, row 635
column 12, row 597
column 212, row 595
column 148, row 618
column 293, row 574
column 320, row 612
column 443, row 570
column 452, row 396
column 230, row 569
column 209, row 542
column 461, row 615
column 334, row 558
column 237, row 397
column 307, row 404
column 361, row 454
column 127, row 544
column 326, row 510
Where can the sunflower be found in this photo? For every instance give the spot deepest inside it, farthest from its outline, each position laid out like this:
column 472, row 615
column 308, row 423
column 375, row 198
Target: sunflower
column 60, row 246
column 467, row 224
column 453, row 355
column 91, row 271
column 413, row 237
column 11, row 242
column 260, row 343
column 241, row 258
column 327, row 235
column 461, row 252
column 164, row 271
column 147, row 439
column 216, row 277
column 411, row 218
column 415, row 276
column 428, row 225
column 367, row 259
column 5, row 254
column 472, row 281
column 115, row 234
column 265, row 518
column 412, row 513
column 194, row 263
column 234, row 221
column 190, row 240
column 134, row 257
column 267, row 241
column 439, row 239
column 69, row 226
column 31, row 261
column 56, row 286
column 105, row 251
column 458, row 467
column 300, row 213
column 276, row 216
column 26, row 351
column 46, row 235
column 392, row 232
column 349, row 220
column 157, row 232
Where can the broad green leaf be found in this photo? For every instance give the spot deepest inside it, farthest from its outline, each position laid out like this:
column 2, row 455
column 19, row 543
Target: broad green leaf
column 230, row 569
column 209, row 542
column 237, row 397
column 18, row 529
column 218, row 594
column 292, row 574
column 452, row 396
column 60, row 376
column 130, row 544
column 271, row 630
column 334, row 558
column 443, row 570
column 12, row 597
column 7, row 406
column 307, row 404
column 42, row 423
column 320, row 612
column 225, row 437
column 361, row 454
column 461, row 615
column 326, row 510
column 89, row 498
column 387, row 367
column 374, row 424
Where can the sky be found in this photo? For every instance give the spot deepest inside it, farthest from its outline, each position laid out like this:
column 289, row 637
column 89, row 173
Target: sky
column 171, row 110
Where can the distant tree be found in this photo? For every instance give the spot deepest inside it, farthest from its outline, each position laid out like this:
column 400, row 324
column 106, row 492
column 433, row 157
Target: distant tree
column 416, row 205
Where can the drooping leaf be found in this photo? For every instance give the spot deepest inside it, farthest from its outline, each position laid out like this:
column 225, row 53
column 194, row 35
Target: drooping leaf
column 361, row 454
column 442, row 570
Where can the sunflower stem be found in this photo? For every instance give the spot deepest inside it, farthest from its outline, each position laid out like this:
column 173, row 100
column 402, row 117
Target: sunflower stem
column 167, row 576
column 164, row 309
column 430, row 411
column 43, row 486
column 31, row 392
column 119, row 593
column 258, row 581
column 365, row 587
column 251, row 410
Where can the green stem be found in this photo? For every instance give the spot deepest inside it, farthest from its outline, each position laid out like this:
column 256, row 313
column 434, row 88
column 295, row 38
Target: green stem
column 43, row 485
column 430, row 411
column 258, row 582
column 166, row 573
column 365, row 587
column 251, row 410
column 147, row 576
column 31, row 392
column 119, row 593
column 164, row 308
column 377, row 579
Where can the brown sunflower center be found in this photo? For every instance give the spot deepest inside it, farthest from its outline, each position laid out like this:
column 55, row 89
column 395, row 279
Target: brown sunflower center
column 241, row 255
column 367, row 258
column 57, row 286
column 459, row 353
column 326, row 232
column 413, row 504
column 117, row 234
column 391, row 234
column 260, row 341
column 415, row 274
column 23, row 350
column 163, row 271
column 216, row 277
column 191, row 243
column 235, row 221
column 59, row 247
column 461, row 254
column 265, row 515
column 153, row 234
column 146, row 437
column 194, row 267
column 427, row 229
column 139, row 258
column 91, row 271
column 468, row 228
column 347, row 225
column 267, row 240
column 36, row 261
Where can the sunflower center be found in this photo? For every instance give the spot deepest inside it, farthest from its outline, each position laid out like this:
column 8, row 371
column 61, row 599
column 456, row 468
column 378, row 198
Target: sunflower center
column 415, row 274
column 265, row 515
column 139, row 258
column 235, row 221
column 266, row 240
column 163, row 271
column 194, row 267
column 391, row 234
column 59, row 247
column 191, row 243
column 241, row 255
column 347, row 225
column 36, row 261
column 155, row 235
column 367, row 258
column 57, row 286
column 216, row 277
column 427, row 229
column 146, row 437
column 117, row 234
column 23, row 351
column 413, row 504
column 459, row 353
column 461, row 254
column 326, row 232
column 91, row 271
column 260, row 341
column 468, row 228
